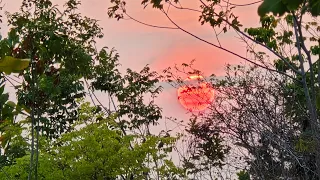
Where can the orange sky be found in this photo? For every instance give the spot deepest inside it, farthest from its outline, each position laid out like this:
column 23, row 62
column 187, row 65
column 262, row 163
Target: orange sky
column 139, row 45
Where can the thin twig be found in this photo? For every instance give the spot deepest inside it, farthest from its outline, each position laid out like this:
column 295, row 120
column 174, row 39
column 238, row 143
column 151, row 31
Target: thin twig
column 150, row 25
column 247, row 4
column 217, row 36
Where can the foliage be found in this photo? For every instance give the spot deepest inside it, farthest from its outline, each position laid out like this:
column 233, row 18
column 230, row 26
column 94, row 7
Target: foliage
column 280, row 7
column 130, row 90
column 207, row 148
column 48, row 169
column 60, row 45
column 13, row 144
column 243, row 175
column 100, row 150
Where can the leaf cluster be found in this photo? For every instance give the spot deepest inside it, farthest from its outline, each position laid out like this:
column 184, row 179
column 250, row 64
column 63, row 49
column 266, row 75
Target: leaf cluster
column 280, row 7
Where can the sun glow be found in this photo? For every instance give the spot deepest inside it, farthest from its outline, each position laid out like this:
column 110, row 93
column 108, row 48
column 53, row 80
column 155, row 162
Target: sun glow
column 197, row 95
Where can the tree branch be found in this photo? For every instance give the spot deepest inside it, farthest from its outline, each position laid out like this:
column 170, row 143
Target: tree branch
column 222, row 48
column 150, row 25
column 263, row 45
column 303, row 45
column 278, row 55
column 309, row 102
column 182, row 8
column 248, row 4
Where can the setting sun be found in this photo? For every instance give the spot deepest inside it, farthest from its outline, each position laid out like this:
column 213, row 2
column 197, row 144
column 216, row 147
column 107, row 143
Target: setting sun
column 195, row 95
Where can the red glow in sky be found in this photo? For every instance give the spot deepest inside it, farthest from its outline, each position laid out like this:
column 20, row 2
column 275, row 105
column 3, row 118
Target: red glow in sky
column 197, row 96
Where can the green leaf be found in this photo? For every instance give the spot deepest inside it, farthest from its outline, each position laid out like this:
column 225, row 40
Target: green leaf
column 277, row 7
column 4, row 98
column 11, row 104
column 314, row 6
column 4, row 48
column 10, row 64
column 28, row 110
column 292, row 4
column 1, row 89
column 243, row 175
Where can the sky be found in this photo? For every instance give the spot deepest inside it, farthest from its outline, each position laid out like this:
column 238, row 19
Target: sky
column 139, row 45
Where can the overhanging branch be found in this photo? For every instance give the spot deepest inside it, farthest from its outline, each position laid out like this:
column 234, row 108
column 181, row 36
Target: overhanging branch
column 224, row 49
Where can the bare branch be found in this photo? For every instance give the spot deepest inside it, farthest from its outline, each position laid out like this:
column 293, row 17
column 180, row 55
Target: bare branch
column 217, row 36
column 247, row 4
column 183, row 8
column 150, row 25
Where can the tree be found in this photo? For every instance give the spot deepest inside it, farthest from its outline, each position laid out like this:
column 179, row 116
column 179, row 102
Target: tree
column 100, row 150
column 286, row 35
column 61, row 54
